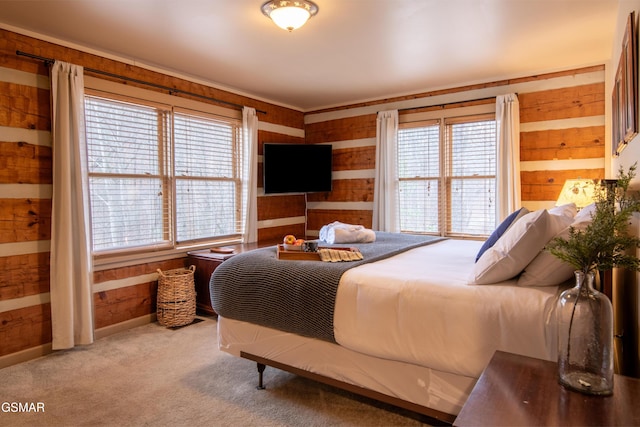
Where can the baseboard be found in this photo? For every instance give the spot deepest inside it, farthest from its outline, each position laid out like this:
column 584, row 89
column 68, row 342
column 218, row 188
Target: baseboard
column 25, row 355
column 44, row 349
column 123, row 326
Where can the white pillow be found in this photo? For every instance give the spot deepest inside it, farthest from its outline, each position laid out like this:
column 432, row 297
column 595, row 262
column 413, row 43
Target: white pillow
column 501, row 229
column 546, row 269
column 569, row 210
column 586, row 213
column 517, row 247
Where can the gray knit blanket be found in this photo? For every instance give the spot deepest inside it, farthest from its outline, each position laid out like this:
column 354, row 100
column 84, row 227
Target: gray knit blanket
column 294, row 296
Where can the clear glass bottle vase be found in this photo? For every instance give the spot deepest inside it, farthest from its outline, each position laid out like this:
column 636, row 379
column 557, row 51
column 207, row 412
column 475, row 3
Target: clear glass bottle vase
column 585, row 338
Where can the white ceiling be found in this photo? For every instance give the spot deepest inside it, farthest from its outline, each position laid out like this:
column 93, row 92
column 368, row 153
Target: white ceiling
column 353, row 50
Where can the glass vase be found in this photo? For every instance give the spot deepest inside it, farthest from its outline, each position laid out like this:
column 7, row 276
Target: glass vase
column 585, row 338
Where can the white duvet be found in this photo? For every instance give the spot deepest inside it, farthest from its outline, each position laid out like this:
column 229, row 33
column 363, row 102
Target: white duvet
column 418, row 307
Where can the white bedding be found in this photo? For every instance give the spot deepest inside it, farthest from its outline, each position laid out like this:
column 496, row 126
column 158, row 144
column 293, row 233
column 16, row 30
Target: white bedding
column 418, row 307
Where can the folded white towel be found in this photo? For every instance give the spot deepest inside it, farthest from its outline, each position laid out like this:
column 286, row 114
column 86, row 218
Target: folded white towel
column 339, row 232
column 323, row 232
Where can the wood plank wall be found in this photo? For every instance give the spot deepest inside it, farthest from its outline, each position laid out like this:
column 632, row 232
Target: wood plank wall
column 120, row 294
column 562, row 136
column 564, row 126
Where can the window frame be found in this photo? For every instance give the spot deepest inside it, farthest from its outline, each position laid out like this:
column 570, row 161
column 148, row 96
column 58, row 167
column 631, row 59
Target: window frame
column 437, row 179
column 147, row 253
column 449, row 177
column 236, row 179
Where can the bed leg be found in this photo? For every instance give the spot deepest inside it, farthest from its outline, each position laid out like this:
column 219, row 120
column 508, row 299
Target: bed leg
column 261, row 367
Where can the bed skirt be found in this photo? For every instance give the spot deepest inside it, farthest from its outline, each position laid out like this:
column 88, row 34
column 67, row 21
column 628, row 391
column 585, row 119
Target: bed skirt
column 440, row 394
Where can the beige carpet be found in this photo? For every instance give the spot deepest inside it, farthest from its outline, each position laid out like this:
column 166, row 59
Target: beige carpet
column 156, row 376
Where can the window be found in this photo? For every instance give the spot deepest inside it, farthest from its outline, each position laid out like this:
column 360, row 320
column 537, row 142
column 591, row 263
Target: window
column 419, row 173
column 208, row 178
column 447, row 176
column 161, row 176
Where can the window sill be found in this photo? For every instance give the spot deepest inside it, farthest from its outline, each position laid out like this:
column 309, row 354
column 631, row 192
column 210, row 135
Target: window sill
column 109, row 261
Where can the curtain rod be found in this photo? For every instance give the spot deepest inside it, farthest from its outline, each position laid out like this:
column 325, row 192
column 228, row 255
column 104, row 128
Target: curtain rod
column 171, row 90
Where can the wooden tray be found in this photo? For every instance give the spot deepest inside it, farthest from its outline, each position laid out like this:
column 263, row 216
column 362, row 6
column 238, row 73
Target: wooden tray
column 307, row 256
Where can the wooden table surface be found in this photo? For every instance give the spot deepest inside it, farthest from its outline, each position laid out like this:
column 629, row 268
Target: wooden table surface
column 521, row 391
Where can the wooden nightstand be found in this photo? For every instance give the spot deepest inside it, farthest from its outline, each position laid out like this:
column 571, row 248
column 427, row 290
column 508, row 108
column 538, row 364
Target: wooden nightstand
column 206, row 262
column 521, row 391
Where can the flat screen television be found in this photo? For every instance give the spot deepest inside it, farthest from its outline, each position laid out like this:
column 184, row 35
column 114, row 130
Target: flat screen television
column 296, row 168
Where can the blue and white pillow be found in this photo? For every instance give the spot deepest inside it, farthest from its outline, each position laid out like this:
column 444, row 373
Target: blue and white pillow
column 501, row 229
column 517, row 247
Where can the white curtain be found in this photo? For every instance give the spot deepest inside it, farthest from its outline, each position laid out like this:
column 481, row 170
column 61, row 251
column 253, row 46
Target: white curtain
column 71, row 267
column 508, row 169
column 250, row 170
column 385, row 192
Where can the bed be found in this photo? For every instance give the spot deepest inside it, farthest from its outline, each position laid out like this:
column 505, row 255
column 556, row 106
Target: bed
column 412, row 328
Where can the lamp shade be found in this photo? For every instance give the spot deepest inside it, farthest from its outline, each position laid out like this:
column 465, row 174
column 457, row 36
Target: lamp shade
column 289, row 14
column 578, row 191
column 290, row 18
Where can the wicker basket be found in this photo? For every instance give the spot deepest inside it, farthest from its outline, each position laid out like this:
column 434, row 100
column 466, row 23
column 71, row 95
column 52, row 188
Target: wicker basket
column 176, row 297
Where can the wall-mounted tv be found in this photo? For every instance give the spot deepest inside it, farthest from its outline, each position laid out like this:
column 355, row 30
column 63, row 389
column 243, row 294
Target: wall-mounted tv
column 296, row 168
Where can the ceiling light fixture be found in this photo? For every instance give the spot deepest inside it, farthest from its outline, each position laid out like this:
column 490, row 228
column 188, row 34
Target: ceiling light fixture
column 289, row 14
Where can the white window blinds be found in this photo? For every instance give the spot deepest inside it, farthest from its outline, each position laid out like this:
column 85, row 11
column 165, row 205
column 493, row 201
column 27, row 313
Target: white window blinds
column 419, row 178
column 208, row 184
column 160, row 177
column 446, row 171
column 127, row 188
column 471, row 177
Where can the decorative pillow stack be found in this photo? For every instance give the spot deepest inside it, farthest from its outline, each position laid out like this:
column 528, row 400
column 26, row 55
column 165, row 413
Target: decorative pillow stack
column 546, row 269
column 569, row 210
column 522, row 240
